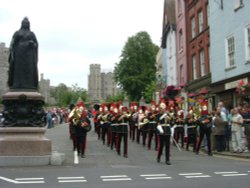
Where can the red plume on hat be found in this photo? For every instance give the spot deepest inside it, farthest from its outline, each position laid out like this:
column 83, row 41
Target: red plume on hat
column 162, row 104
column 104, row 107
column 125, row 109
column 153, row 105
column 80, row 103
column 113, row 107
column 204, row 108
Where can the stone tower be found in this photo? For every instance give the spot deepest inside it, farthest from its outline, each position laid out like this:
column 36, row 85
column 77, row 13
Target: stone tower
column 4, row 67
column 94, row 82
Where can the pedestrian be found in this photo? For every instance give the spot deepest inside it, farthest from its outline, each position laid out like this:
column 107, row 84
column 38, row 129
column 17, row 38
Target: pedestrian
column 246, row 124
column 219, row 132
column 224, row 115
column 49, row 119
column 237, row 121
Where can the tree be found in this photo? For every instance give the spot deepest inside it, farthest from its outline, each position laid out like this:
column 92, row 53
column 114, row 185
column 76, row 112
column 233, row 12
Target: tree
column 66, row 95
column 136, row 69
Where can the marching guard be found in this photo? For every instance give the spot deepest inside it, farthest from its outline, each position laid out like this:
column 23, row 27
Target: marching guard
column 164, row 132
column 104, row 124
column 152, row 125
column 205, row 127
column 113, row 125
column 79, row 118
column 122, row 131
column 133, row 120
column 97, row 116
column 191, row 122
column 179, row 130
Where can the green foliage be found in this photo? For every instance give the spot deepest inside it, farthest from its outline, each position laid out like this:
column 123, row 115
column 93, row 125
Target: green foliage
column 149, row 91
column 136, row 69
column 65, row 96
column 116, row 98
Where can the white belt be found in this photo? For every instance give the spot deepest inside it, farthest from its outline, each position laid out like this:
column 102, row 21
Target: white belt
column 123, row 124
column 165, row 125
column 193, row 126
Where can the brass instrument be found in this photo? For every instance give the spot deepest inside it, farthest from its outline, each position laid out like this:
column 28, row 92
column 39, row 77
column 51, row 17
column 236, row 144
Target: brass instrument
column 104, row 118
column 124, row 115
column 75, row 115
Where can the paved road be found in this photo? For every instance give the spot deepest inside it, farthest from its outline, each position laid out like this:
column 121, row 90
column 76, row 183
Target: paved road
column 103, row 168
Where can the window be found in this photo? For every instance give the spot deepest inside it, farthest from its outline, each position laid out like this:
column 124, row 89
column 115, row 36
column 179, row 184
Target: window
column 230, row 52
column 193, row 27
column 194, row 67
column 238, row 4
column 181, row 74
column 202, row 63
column 248, row 43
column 179, row 7
column 200, row 15
column 180, row 40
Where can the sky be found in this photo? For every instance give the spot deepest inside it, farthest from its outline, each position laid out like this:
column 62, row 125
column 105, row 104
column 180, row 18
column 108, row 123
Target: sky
column 72, row 34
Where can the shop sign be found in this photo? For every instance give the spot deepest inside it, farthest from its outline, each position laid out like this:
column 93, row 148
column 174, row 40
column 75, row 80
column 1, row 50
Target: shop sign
column 234, row 84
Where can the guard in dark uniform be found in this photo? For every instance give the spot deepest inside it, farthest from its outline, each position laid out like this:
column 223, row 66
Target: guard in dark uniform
column 122, row 131
column 82, row 126
column 164, row 132
column 152, row 125
column 191, row 122
column 205, row 126
column 104, row 123
column 179, row 130
column 133, row 120
column 113, row 118
column 97, row 116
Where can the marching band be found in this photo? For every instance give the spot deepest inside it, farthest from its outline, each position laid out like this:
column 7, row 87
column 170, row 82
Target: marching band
column 160, row 124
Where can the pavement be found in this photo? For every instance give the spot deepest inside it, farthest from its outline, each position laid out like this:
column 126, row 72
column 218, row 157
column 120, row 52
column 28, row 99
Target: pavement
column 61, row 144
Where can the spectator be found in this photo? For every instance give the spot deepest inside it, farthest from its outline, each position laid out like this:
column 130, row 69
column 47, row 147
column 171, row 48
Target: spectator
column 227, row 128
column 219, row 124
column 49, row 119
column 246, row 124
column 236, row 121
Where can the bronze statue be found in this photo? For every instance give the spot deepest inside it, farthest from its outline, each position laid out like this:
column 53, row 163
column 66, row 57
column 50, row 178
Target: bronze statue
column 23, row 71
column 23, row 103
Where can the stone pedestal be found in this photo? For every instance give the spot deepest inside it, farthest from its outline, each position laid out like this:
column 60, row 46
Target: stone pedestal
column 24, row 146
column 23, row 109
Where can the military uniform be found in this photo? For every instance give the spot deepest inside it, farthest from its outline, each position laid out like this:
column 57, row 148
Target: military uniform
column 164, row 133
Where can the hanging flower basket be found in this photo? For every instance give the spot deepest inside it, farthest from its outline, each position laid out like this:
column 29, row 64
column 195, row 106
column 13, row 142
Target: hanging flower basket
column 243, row 88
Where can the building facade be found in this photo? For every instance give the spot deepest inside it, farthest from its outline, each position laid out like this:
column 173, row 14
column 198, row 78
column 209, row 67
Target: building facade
column 168, row 44
column 181, row 47
column 108, row 86
column 100, row 85
column 44, row 89
column 198, row 46
column 230, row 48
column 94, row 82
column 4, row 67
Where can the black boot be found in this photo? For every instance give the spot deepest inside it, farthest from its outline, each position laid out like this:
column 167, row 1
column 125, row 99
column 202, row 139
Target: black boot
column 168, row 163
column 158, row 159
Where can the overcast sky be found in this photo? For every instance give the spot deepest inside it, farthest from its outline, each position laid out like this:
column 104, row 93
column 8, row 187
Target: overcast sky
column 73, row 34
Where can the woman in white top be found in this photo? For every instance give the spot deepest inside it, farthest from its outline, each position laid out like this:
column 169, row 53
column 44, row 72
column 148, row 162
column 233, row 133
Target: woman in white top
column 236, row 122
